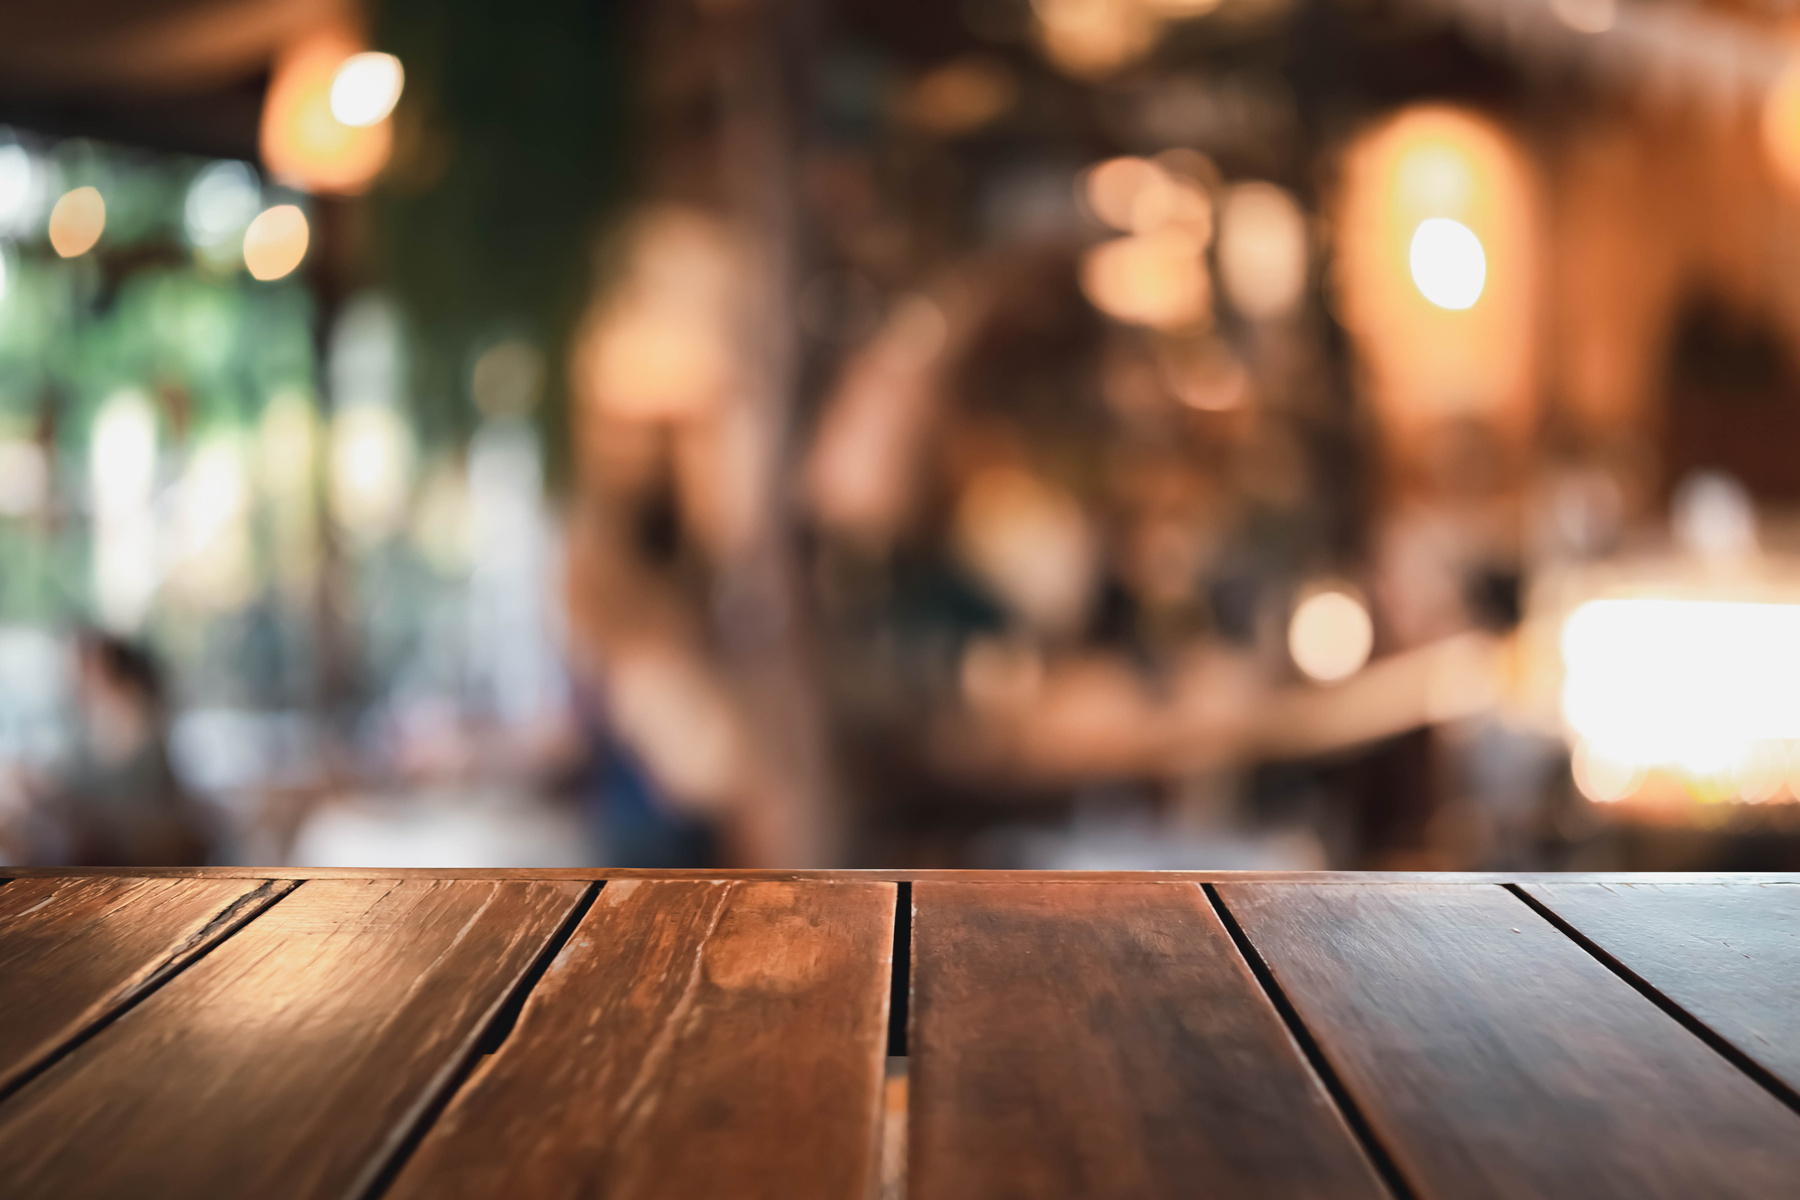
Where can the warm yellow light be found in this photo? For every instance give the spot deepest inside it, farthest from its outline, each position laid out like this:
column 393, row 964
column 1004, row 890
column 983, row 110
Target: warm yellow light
column 1445, row 322
column 77, row 221
column 1112, row 188
column 1330, row 635
column 1448, row 264
column 1135, row 195
column 303, row 142
column 1262, row 250
column 1093, row 38
column 1694, row 687
column 663, row 344
column 1156, row 279
column 1602, row 779
column 275, row 242
column 1781, row 125
column 366, row 87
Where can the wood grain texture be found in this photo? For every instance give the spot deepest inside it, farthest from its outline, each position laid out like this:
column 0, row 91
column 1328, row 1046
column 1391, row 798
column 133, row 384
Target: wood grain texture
column 1729, row 954
column 1495, row 1058
column 73, row 950
column 1105, row 1041
column 287, row 1062
column 691, row 1040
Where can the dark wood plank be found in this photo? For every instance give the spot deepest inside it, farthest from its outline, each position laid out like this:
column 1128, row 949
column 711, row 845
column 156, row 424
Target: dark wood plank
column 1105, row 1040
column 288, row 1062
column 1729, row 954
column 1496, row 1058
column 691, row 1040
column 73, row 950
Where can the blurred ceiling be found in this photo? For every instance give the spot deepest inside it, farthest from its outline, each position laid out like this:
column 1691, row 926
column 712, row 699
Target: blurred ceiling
column 184, row 75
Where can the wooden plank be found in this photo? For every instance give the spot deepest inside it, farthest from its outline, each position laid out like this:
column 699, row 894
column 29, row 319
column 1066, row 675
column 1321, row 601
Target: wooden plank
column 289, row 1061
column 692, row 1039
column 1495, row 1058
column 1105, row 1040
column 73, row 950
column 1727, row 954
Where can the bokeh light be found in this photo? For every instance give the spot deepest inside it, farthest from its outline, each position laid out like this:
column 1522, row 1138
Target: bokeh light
column 275, row 243
column 1586, row 16
column 1436, row 265
column 371, row 470
column 1136, row 195
column 507, row 378
column 663, row 345
column 1330, row 635
column 1447, row 263
column 24, row 477
column 961, row 96
column 221, row 200
column 1262, row 250
column 303, row 142
column 1687, row 686
column 122, row 458
column 1781, row 124
column 1156, row 279
column 22, row 184
column 1030, row 542
column 1603, row 779
column 1090, row 39
column 77, row 221
column 366, row 88
column 208, row 557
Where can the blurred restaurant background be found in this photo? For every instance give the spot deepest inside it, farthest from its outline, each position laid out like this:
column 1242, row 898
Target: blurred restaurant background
column 967, row 433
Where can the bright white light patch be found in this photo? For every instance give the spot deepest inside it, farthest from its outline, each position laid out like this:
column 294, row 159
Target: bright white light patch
column 220, row 202
column 1330, row 636
column 1448, row 263
column 20, row 187
column 366, row 88
column 1692, row 685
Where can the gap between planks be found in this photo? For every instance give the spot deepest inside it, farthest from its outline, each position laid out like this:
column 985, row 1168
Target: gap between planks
column 492, row 1037
column 1360, row 1129
column 215, row 933
column 1763, row 1077
column 890, row 1157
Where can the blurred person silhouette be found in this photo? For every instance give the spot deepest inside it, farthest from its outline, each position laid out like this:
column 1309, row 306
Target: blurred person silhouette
column 118, row 801
column 635, row 823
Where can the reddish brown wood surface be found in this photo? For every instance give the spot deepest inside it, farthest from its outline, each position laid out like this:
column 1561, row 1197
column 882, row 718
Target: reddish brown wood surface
column 73, row 950
column 1728, row 954
column 691, row 1040
column 289, row 1061
column 1496, row 1058
column 1077, row 1040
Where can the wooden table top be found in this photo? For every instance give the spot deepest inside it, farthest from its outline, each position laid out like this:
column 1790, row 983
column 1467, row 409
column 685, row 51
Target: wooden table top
column 877, row 1035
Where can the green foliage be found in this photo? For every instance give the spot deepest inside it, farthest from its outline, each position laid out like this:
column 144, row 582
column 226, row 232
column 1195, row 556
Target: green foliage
column 523, row 106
